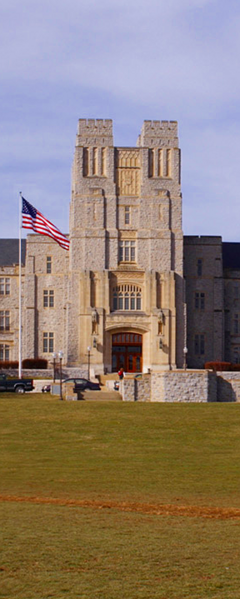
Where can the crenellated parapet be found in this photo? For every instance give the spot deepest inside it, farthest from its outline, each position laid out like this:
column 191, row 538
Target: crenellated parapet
column 158, row 134
column 95, row 132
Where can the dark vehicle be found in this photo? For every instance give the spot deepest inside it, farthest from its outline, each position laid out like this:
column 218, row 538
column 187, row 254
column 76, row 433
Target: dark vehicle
column 83, row 384
column 16, row 385
column 116, row 385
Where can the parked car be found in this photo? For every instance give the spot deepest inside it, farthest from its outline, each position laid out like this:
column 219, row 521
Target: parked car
column 16, row 385
column 81, row 384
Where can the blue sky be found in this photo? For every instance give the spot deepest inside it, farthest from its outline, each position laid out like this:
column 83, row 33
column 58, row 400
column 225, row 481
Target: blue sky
column 128, row 60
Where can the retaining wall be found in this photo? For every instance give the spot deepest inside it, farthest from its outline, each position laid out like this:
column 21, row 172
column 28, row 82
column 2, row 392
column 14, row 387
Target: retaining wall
column 186, row 386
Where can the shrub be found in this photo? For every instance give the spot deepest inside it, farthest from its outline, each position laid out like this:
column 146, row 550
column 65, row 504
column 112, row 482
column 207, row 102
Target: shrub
column 8, row 364
column 38, row 363
column 218, row 366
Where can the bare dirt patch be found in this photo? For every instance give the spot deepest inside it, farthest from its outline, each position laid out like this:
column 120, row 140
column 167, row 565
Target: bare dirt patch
column 190, row 511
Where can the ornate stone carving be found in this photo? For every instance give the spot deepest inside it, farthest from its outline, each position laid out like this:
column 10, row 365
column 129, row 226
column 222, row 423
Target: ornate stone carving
column 128, row 172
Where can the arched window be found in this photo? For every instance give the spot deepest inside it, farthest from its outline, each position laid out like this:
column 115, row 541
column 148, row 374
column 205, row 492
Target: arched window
column 126, row 297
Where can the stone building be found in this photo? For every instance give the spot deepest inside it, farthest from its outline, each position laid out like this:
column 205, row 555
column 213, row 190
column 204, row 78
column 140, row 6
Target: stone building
column 120, row 289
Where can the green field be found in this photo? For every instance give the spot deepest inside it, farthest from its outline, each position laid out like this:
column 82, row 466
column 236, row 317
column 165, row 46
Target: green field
column 119, row 500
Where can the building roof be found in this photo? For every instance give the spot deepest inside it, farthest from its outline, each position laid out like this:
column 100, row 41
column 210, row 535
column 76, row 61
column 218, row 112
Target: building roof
column 231, row 255
column 9, row 252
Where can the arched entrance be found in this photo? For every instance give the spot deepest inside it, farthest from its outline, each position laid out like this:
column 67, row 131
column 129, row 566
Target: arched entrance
column 127, row 352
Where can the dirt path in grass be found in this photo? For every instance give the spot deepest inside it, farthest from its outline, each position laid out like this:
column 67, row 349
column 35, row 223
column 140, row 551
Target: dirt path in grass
column 190, row 511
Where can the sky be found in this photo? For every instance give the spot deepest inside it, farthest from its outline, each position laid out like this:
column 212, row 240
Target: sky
column 127, row 60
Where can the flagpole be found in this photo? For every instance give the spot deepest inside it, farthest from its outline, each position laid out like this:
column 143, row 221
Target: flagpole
column 20, row 289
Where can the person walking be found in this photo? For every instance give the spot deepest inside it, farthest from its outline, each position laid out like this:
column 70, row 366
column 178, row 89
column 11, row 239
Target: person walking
column 121, row 374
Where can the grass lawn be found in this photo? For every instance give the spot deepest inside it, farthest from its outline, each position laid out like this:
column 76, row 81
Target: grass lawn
column 118, row 454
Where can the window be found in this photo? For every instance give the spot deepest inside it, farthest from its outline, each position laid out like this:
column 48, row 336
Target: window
column 4, row 286
column 95, row 161
column 199, row 344
column 236, row 324
column 48, row 298
column 127, row 251
column 49, row 264
column 127, row 297
column 150, row 162
column 199, row 267
column 85, row 162
column 4, row 352
column 168, row 164
column 4, row 320
column 127, row 215
column 160, row 163
column 199, row 300
column 235, row 291
column 103, row 161
column 48, row 343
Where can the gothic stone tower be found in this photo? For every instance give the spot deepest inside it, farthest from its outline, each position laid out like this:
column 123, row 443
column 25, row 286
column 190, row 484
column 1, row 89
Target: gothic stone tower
column 126, row 258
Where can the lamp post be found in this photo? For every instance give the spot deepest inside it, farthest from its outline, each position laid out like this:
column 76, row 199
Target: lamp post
column 54, row 355
column 185, row 351
column 60, row 355
column 89, row 351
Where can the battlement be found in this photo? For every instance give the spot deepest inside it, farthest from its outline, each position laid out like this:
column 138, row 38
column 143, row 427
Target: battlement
column 95, row 132
column 162, row 130
column 159, row 127
column 95, row 127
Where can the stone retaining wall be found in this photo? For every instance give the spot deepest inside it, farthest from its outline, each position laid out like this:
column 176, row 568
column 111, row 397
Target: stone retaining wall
column 194, row 386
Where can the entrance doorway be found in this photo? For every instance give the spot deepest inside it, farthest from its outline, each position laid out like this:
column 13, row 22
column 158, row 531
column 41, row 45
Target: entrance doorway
column 127, row 352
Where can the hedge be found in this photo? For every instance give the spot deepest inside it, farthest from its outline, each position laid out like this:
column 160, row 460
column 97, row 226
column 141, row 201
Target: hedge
column 38, row 363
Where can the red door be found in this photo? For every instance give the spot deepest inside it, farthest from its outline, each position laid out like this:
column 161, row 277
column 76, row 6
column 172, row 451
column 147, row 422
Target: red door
column 127, row 352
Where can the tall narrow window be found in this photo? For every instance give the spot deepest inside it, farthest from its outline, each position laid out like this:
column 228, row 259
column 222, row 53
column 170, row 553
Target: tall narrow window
column 150, row 163
column 103, row 162
column 5, row 286
column 49, row 264
column 4, row 352
column 168, row 164
column 95, row 161
column 199, row 267
column 48, row 342
column 160, row 163
column 199, row 344
column 127, row 215
column 85, row 162
column 48, row 298
column 199, row 300
column 4, row 320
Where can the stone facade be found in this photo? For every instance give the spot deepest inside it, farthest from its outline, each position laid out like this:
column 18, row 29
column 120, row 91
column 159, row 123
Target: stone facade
column 130, row 288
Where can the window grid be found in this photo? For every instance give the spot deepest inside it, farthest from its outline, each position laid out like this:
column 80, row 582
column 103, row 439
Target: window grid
column 48, row 343
column 4, row 286
column 127, row 251
column 49, row 264
column 199, row 300
column 127, row 215
column 127, row 297
column 4, row 352
column 199, row 344
column 4, row 320
column 48, row 298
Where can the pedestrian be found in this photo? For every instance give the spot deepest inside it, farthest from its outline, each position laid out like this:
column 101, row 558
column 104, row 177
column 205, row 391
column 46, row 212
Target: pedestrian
column 121, row 373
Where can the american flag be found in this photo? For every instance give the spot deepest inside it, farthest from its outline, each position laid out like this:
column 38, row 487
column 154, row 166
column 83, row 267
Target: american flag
column 32, row 219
